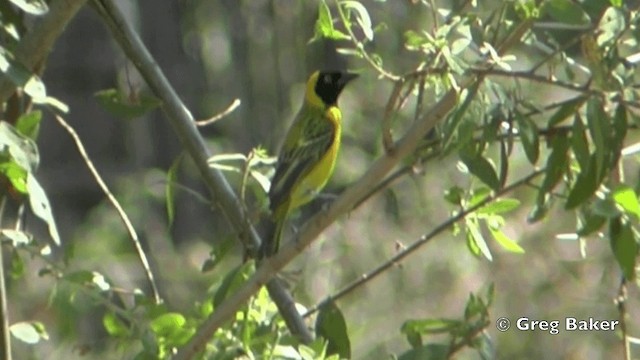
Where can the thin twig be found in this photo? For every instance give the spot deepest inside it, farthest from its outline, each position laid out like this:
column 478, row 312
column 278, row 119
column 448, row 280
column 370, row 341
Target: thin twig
column 234, row 105
column 424, row 239
column 360, row 47
column 112, row 199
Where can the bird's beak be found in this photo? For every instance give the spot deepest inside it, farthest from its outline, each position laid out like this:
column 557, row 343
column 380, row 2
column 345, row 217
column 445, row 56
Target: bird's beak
column 347, row 77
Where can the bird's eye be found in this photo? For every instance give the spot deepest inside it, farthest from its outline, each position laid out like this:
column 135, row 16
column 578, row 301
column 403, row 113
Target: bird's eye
column 327, row 79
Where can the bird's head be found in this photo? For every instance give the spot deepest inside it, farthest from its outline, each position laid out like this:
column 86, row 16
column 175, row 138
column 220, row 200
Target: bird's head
column 324, row 87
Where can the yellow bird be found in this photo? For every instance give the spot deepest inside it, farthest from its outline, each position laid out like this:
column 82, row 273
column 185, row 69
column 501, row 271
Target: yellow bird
column 308, row 154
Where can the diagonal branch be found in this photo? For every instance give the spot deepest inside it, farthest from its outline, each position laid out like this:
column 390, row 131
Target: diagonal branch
column 222, row 194
column 310, row 231
column 424, row 239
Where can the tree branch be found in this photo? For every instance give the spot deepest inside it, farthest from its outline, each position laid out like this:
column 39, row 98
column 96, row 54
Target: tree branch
column 222, row 194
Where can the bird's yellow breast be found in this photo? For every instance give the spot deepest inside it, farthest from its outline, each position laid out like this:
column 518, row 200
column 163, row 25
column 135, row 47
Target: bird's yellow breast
column 317, row 178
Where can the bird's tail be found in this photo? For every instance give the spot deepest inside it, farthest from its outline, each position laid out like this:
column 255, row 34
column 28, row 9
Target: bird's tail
column 271, row 238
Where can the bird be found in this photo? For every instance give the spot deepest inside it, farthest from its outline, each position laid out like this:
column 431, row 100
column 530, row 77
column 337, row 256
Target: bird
column 308, row 154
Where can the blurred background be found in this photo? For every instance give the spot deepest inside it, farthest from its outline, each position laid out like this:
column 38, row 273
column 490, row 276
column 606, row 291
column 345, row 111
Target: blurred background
column 258, row 51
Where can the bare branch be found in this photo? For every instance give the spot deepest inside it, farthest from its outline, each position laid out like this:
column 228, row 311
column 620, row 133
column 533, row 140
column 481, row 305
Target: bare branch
column 112, row 199
column 234, row 105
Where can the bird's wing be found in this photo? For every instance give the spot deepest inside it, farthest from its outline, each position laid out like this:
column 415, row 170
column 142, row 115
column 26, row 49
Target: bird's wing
column 299, row 156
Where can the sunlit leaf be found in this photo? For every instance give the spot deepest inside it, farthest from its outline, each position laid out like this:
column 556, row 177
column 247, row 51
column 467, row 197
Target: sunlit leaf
column 612, row 24
column 324, row 25
column 362, row 17
column 476, row 241
column 504, row 241
column 27, row 332
column 41, row 207
column 626, row 198
column 115, row 326
column 21, row 76
column 33, row 7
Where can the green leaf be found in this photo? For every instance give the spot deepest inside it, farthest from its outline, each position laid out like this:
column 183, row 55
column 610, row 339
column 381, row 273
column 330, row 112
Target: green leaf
column 430, row 326
column 579, row 143
column 21, row 148
column 29, row 124
column 172, row 328
column 324, row 25
column 566, row 11
column 332, row 326
column 529, row 136
column 17, row 265
column 624, row 246
column 481, row 168
column 41, row 208
column 568, row 108
column 556, row 163
column 170, row 189
column 627, row 199
column 504, row 241
column 414, row 40
column 33, row 7
column 585, row 186
column 619, row 133
column 599, row 129
column 499, row 206
column 166, row 324
column 232, row 281
column 126, row 106
column 16, row 175
column 114, row 325
column 476, row 241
